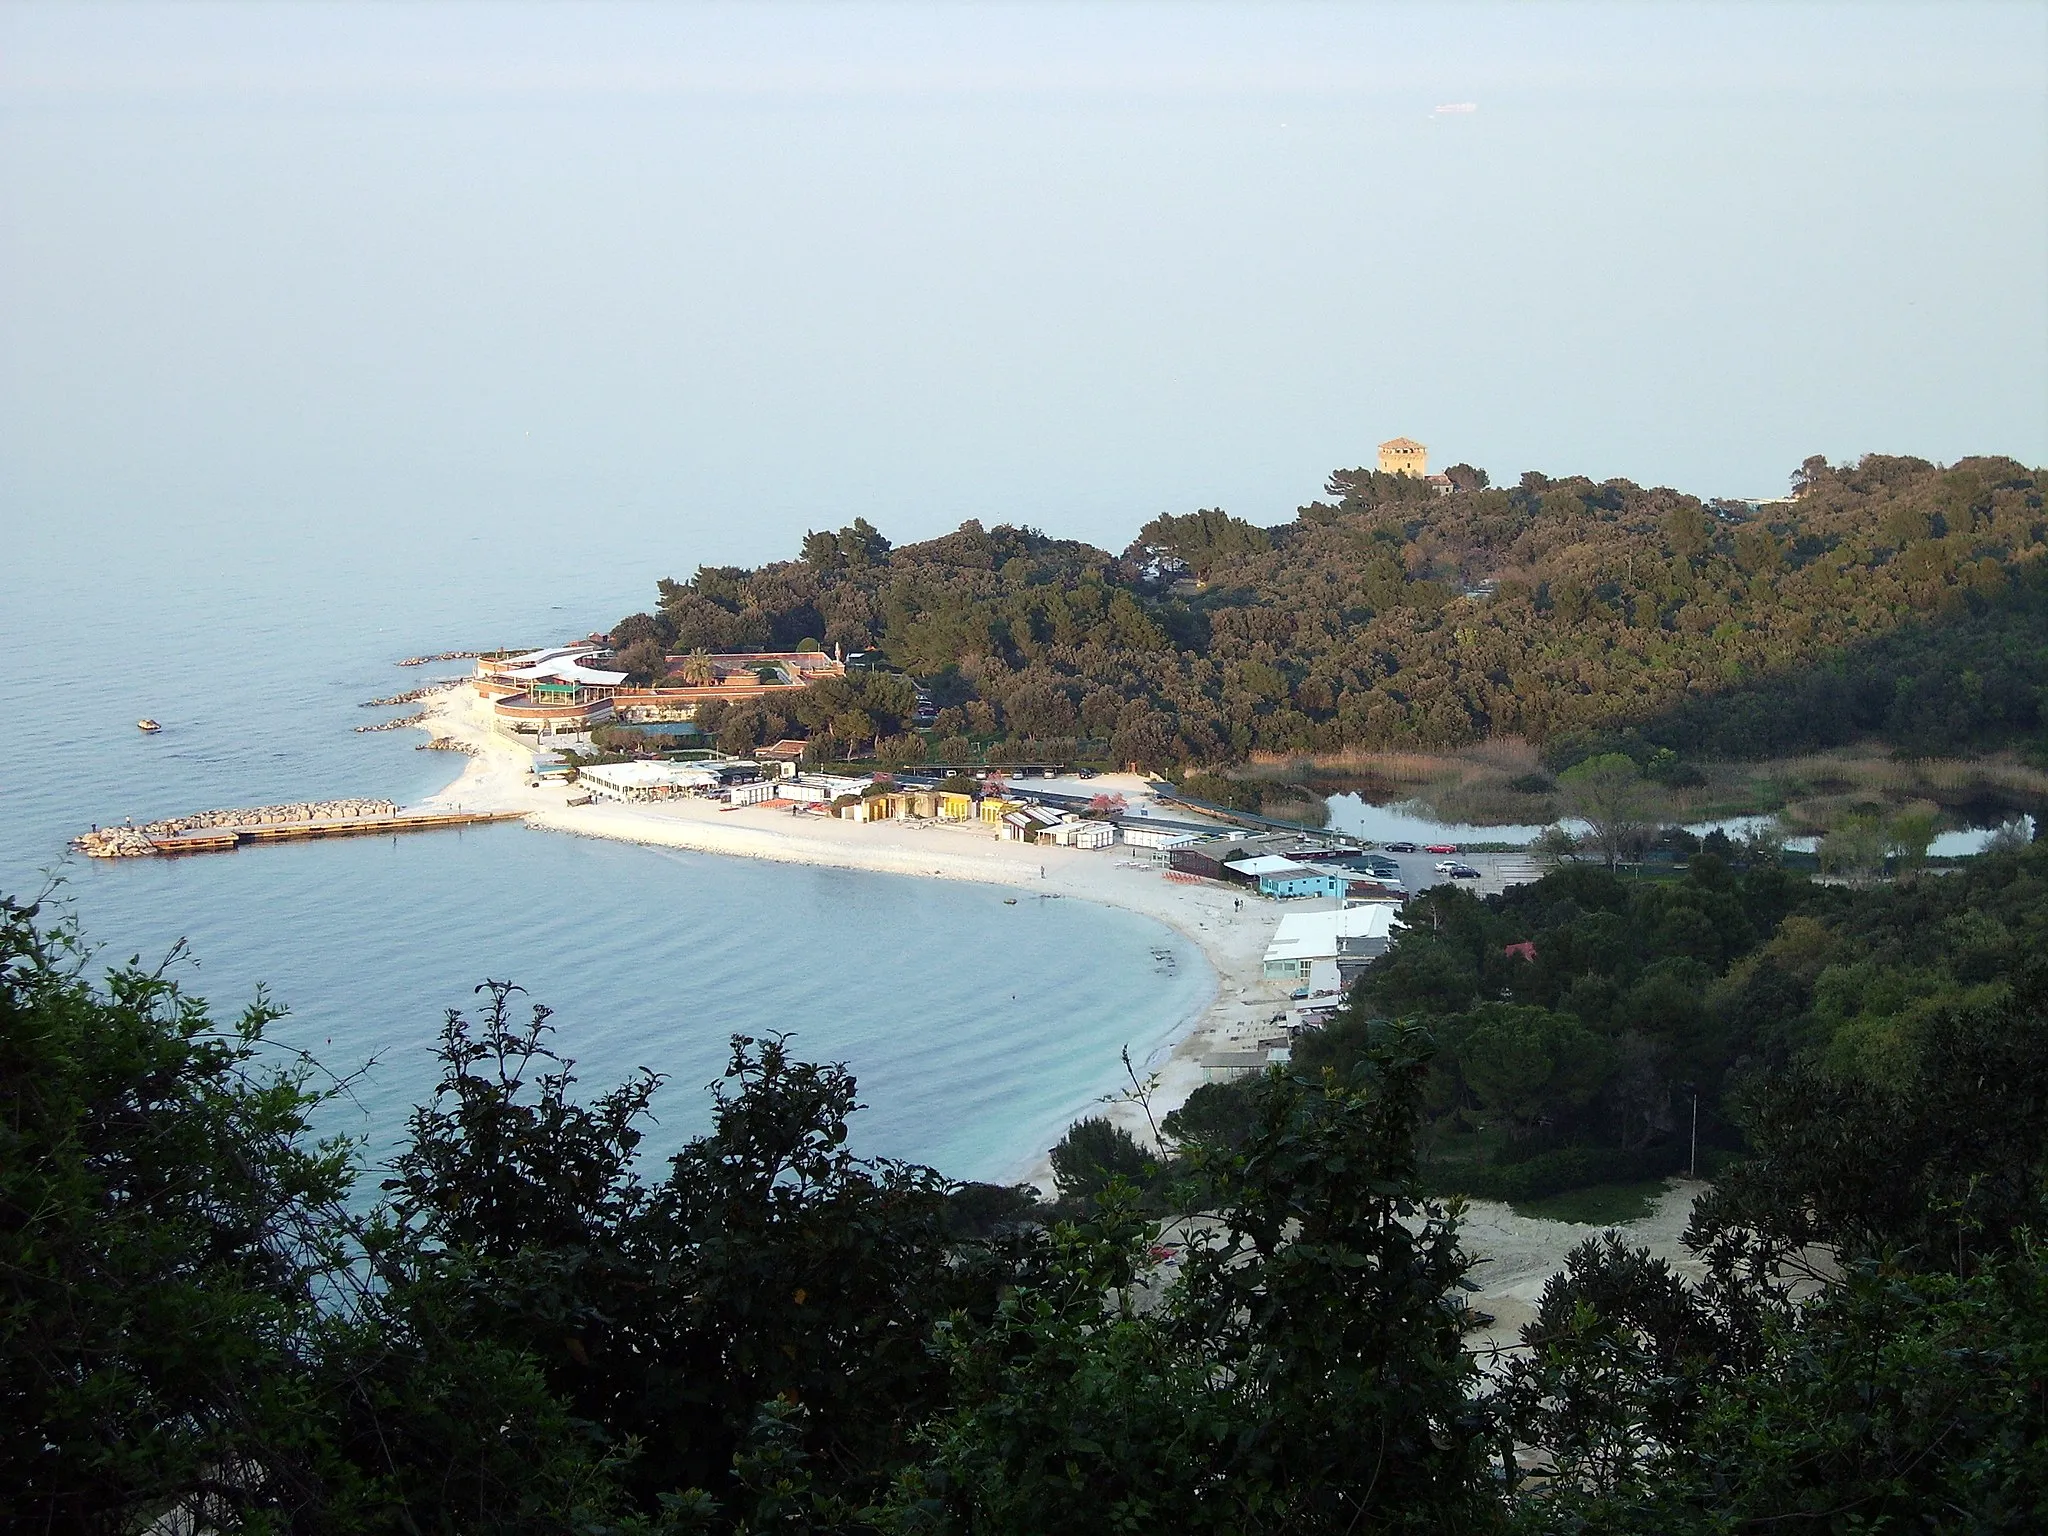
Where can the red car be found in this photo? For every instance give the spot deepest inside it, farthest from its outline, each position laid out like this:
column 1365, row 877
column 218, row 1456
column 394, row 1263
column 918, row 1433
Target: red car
column 1441, row 848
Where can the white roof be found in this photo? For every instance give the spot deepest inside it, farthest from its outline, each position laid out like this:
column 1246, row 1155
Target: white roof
column 651, row 775
column 1314, row 935
column 1272, row 864
column 1156, row 837
column 561, row 662
column 836, row 784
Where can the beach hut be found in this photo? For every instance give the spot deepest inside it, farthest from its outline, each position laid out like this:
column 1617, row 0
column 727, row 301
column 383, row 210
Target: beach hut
column 1029, row 823
column 1074, row 833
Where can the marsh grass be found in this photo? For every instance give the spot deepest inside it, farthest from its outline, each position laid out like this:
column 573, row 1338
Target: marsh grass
column 1476, row 785
column 1472, row 785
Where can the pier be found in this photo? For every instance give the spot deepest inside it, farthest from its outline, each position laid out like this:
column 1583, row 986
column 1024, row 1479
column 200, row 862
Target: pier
column 217, row 840
column 224, row 831
column 296, row 832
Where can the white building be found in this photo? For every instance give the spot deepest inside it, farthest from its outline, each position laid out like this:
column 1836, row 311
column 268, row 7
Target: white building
column 821, row 788
column 1080, row 834
column 647, row 780
column 1303, row 938
column 755, row 793
column 1158, row 837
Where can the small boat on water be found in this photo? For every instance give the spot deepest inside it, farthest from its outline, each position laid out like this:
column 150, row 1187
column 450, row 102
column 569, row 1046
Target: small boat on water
column 147, row 725
column 1009, row 901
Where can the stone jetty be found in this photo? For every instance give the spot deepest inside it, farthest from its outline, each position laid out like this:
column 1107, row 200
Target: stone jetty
column 414, row 695
column 127, row 842
column 391, row 725
column 421, row 661
column 449, row 744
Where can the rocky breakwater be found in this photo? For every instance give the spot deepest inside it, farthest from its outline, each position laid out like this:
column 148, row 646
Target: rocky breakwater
column 414, row 695
column 421, row 661
column 450, row 744
column 391, row 725
column 130, row 842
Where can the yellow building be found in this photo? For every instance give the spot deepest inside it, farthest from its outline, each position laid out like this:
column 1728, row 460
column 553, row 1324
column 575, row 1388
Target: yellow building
column 922, row 805
column 1404, row 456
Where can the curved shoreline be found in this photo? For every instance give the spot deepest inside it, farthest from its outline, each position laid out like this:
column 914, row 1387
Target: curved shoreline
column 1232, row 940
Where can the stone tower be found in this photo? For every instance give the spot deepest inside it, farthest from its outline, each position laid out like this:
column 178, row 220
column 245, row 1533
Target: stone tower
column 1404, row 456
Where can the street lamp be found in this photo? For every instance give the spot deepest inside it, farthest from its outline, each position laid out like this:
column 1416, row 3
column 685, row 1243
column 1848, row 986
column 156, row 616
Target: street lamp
column 1692, row 1167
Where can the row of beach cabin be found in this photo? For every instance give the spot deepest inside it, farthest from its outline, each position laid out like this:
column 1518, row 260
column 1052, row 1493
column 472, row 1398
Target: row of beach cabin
column 741, row 782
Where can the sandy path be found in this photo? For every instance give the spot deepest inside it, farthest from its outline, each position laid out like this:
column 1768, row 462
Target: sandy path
column 1518, row 1255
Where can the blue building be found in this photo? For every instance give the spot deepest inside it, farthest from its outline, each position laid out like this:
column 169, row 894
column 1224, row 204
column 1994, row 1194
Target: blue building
column 1284, row 879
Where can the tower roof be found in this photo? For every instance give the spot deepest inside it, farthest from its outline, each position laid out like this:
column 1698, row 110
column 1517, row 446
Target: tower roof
column 1399, row 445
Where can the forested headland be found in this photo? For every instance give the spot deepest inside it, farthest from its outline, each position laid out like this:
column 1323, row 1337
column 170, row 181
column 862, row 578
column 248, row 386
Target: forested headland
column 1888, row 600
column 212, row 1320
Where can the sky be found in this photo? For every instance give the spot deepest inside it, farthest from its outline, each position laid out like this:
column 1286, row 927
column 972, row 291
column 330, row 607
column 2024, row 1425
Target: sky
column 678, row 282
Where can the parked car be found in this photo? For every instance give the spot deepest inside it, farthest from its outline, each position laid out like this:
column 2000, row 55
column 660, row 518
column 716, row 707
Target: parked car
column 1456, row 870
column 1298, row 993
column 1401, row 848
column 1441, row 848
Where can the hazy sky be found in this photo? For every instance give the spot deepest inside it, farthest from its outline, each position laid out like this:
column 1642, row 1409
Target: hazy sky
column 693, row 278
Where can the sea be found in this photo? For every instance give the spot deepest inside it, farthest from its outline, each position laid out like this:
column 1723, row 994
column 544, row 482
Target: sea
column 977, row 1029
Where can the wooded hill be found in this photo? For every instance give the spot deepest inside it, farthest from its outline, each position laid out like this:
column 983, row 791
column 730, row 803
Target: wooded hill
column 1899, row 598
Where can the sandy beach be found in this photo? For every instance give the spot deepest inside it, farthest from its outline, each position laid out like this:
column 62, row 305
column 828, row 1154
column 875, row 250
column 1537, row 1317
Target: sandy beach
column 1232, row 940
column 1518, row 1254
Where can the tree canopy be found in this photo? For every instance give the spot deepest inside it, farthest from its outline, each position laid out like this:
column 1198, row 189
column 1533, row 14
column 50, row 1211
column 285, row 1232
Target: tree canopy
column 1889, row 597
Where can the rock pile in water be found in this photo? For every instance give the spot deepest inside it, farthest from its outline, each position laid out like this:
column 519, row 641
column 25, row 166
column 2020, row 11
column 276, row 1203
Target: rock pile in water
column 391, row 725
column 134, row 842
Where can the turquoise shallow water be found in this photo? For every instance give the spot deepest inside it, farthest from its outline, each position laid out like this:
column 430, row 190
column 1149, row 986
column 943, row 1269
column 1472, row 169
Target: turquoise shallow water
column 977, row 1030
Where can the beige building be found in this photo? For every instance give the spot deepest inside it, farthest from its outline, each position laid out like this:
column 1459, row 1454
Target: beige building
column 1404, row 456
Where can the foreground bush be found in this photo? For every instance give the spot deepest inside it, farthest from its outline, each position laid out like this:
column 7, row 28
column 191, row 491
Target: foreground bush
column 198, row 1329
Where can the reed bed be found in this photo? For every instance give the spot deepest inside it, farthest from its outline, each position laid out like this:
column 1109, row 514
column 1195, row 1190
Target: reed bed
column 1475, row 785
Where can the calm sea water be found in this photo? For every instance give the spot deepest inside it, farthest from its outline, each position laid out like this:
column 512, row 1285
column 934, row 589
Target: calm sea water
column 977, row 1030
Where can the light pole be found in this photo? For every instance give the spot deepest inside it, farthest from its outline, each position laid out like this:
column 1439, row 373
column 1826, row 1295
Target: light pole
column 1692, row 1167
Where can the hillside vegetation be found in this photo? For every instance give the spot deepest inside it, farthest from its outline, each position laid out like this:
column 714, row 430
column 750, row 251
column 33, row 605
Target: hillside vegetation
column 1577, row 1018
column 1891, row 598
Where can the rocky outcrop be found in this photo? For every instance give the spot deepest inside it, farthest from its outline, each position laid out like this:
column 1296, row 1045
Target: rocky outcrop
column 391, row 725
